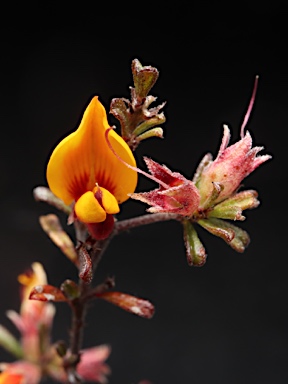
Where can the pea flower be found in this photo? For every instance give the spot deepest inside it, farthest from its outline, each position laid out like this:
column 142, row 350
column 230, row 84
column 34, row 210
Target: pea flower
column 36, row 357
column 34, row 322
column 35, row 318
column 83, row 171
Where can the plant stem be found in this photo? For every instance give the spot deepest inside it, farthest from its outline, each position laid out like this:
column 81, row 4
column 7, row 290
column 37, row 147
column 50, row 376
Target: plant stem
column 79, row 305
column 125, row 225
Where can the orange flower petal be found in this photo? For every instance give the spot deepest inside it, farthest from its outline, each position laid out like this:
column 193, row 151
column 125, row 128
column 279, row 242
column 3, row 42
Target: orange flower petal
column 88, row 209
column 83, row 159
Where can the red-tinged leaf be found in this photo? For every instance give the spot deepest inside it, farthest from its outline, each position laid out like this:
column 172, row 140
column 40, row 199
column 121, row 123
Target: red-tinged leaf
column 51, row 225
column 47, row 293
column 85, row 265
column 129, row 303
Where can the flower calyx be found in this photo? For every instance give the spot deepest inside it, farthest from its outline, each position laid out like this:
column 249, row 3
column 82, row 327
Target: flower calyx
column 175, row 194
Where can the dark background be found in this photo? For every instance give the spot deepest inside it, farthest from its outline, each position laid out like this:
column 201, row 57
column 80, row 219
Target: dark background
column 226, row 322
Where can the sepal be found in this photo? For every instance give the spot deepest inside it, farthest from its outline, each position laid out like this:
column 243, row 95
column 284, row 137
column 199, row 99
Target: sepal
column 175, row 194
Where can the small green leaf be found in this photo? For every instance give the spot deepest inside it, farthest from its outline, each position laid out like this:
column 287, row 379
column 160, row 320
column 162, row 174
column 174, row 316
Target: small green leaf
column 195, row 251
column 236, row 237
column 144, row 78
column 228, row 213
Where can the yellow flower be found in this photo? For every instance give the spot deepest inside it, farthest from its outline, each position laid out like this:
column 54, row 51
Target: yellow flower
column 84, row 170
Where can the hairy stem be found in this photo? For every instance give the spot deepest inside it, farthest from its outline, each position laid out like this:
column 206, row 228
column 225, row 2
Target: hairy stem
column 125, row 225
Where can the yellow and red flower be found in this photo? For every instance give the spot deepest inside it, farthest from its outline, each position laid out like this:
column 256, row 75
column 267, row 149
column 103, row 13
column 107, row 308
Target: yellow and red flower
column 83, row 170
column 36, row 357
column 35, row 317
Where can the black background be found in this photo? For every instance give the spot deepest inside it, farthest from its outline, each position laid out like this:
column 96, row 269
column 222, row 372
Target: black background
column 223, row 323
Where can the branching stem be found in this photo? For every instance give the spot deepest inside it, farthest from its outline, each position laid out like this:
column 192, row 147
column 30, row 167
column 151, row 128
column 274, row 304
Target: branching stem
column 79, row 305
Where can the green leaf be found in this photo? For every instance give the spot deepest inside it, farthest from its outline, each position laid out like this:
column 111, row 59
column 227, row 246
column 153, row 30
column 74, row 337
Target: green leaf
column 195, row 251
column 144, row 78
column 236, row 237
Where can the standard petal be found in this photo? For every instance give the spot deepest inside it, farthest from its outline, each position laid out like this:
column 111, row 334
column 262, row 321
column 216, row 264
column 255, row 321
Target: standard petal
column 83, row 159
